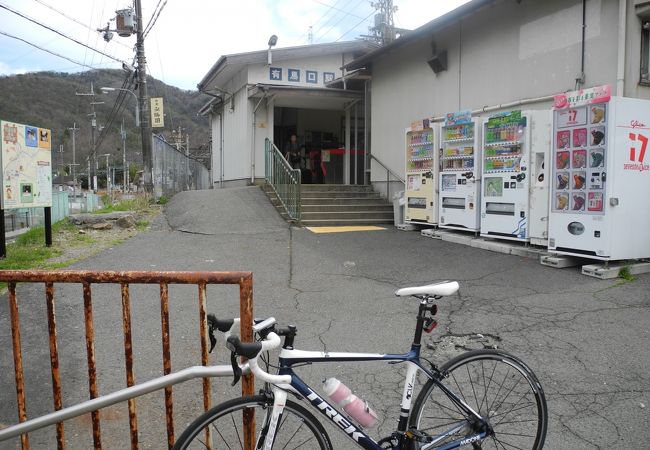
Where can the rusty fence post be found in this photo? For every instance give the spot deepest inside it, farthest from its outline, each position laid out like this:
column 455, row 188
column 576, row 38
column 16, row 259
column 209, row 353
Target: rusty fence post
column 246, row 333
column 54, row 361
column 92, row 369
column 128, row 358
column 18, row 361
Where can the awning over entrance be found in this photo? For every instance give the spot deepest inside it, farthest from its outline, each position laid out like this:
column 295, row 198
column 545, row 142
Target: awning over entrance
column 308, row 98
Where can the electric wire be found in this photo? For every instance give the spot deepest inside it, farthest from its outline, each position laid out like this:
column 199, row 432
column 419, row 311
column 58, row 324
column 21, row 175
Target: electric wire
column 58, row 32
column 149, row 27
column 342, row 18
column 355, row 27
column 327, row 11
column 152, row 15
column 78, row 22
column 48, row 51
column 115, row 111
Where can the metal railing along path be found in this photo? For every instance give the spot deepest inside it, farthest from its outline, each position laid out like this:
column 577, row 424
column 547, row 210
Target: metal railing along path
column 388, row 175
column 87, row 279
column 283, row 179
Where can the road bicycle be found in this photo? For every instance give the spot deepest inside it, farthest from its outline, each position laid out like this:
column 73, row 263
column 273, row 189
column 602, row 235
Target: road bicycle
column 482, row 398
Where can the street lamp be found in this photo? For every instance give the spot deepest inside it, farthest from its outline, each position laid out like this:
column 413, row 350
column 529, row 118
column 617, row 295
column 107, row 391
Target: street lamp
column 137, row 109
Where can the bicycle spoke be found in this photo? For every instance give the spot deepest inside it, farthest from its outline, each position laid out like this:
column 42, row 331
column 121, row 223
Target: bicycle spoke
column 292, row 436
column 471, row 383
column 499, row 391
column 504, row 443
column 224, row 439
column 232, row 417
column 513, row 409
column 487, row 388
column 506, row 397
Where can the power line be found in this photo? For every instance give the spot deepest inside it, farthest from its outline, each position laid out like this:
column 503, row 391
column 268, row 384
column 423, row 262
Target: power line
column 149, row 27
column 342, row 18
column 355, row 27
column 48, row 51
column 152, row 15
column 76, row 21
column 337, row 9
column 58, row 32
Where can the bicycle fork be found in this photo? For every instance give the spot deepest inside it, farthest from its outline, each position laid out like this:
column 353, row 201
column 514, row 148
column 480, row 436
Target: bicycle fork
column 269, row 429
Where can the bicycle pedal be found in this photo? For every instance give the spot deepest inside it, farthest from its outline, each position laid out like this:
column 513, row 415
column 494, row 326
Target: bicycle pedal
column 418, row 436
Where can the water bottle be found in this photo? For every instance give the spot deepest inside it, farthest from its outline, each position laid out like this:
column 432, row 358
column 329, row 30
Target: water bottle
column 356, row 408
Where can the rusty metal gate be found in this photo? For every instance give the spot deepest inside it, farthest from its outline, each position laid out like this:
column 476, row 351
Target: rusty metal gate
column 124, row 279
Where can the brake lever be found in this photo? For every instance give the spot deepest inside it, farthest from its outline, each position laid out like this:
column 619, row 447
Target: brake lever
column 236, row 370
column 211, row 326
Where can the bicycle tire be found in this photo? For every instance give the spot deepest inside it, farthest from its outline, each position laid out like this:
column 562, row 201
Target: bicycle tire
column 225, row 423
column 489, row 381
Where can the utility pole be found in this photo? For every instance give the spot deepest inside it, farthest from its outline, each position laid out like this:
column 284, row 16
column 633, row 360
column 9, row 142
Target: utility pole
column 74, row 155
column 125, row 172
column 93, row 123
column 145, row 119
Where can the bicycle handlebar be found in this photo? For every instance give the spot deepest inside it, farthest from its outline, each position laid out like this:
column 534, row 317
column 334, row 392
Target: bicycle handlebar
column 250, row 350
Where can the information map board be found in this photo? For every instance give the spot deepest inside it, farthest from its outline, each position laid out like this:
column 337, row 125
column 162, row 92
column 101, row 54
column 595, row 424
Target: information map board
column 26, row 166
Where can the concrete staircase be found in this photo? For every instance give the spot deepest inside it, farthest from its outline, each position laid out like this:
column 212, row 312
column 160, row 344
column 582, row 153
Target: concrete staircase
column 339, row 205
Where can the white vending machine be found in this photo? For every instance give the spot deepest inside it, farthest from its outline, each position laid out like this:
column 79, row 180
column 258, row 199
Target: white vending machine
column 421, row 174
column 459, row 179
column 601, row 176
column 515, row 154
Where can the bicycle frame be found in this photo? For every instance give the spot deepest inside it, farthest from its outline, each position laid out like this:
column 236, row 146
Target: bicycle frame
column 291, row 357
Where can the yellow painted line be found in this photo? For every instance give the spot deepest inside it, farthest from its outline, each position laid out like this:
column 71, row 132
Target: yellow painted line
column 343, row 229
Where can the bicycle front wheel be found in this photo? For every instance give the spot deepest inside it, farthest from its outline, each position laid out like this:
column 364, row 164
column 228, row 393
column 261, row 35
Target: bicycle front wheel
column 222, row 427
column 499, row 387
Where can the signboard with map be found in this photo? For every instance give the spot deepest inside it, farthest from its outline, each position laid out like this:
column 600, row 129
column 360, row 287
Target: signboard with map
column 26, row 166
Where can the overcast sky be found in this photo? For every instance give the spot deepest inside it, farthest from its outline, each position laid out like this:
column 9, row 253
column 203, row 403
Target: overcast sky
column 189, row 35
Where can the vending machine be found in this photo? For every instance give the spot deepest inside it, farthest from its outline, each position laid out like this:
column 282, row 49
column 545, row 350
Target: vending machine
column 421, row 174
column 516, row 146
column 459, row 179
column 601, row 176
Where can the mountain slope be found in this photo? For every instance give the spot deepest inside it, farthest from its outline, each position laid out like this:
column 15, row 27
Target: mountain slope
column 49, row 100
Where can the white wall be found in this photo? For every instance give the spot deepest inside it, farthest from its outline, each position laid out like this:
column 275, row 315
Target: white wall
column 506, row 52
column 236, row 137
column 259, row 73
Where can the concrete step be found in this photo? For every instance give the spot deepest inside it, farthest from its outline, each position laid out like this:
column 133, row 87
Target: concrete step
column 384, row 207
column 335, row 187
column 341, row 222
column 320, row 215
column 344, row 201
column 337, row 194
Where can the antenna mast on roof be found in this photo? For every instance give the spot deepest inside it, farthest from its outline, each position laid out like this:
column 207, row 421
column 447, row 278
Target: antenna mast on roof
column 310, row 35
column 383, row 32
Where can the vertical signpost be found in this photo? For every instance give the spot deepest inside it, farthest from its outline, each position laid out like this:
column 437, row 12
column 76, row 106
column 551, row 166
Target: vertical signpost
column 26, row 157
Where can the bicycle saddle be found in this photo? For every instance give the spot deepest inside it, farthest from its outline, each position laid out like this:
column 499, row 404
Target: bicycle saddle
column 443, row 288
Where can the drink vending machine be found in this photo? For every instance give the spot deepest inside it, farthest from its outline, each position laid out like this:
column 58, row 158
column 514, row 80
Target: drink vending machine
column 516, row 146
column 421, row 174
column 459, row 180
column 601, row 176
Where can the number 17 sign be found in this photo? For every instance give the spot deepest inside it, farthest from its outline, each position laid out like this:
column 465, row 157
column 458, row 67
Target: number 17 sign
column 571, row 117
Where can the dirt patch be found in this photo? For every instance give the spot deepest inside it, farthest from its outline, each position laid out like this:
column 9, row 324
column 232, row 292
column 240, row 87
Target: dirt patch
column 76, row 242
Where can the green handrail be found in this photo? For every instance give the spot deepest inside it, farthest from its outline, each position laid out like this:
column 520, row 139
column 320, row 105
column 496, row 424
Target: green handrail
column 283, row 179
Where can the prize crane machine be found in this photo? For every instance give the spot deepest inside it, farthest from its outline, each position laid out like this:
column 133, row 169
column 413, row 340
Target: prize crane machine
column 459, row 184
column 421, row 174
column 601, row 176
column 514, row 204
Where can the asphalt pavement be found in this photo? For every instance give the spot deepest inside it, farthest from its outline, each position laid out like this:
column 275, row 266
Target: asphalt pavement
column 586, row 339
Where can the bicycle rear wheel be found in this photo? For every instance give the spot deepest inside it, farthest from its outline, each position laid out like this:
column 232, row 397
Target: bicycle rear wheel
column 495, row 384
column 297, row 427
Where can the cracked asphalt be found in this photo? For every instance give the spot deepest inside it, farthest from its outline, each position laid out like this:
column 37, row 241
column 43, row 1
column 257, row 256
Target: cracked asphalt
column 586, row 339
